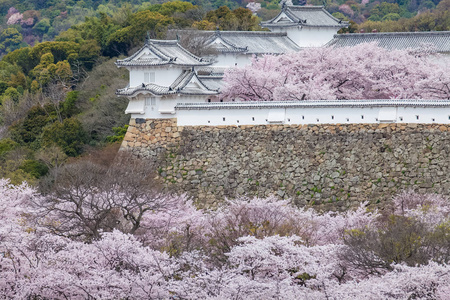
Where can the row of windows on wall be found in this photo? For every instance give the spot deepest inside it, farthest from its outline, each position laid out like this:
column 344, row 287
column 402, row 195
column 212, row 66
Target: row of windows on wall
column 332, row 118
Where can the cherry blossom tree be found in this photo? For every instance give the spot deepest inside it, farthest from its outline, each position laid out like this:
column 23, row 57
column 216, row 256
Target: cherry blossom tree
column 268, row 249
column 365, row 71
column 15, row 18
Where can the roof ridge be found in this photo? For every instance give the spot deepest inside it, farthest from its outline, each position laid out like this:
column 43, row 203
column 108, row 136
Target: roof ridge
column 254, row 33
column 299, row 7
column 180, row 78
column 398, row 33
column 154, row 41
column 134, row 55
column 199, row 59
column 236, row 48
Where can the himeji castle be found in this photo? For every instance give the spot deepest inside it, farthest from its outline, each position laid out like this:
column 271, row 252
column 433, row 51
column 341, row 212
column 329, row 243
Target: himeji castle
column 167, row 81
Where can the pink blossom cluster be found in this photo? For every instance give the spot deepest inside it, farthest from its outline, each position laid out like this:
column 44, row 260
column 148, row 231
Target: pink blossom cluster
column 15, row 18
column 365, row 71
column 346, row 9
column 254, row 6
column 244, row 249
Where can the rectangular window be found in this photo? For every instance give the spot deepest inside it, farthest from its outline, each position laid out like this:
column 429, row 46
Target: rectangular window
column 149, row 77
column 150, row 101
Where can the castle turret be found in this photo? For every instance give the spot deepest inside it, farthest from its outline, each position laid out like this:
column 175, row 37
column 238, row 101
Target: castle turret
column 160, row 72
column 307, row 26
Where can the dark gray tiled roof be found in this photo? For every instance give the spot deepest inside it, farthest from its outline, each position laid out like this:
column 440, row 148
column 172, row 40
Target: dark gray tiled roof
column 440, row 40
column 212, row 82
column 255, row 42
column 211, row 71
column 165, row 52
column 307, row 16
column 315, row 104
column 179, row 86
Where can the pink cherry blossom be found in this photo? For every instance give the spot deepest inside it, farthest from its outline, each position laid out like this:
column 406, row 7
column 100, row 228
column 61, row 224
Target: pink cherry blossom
column 365, row 71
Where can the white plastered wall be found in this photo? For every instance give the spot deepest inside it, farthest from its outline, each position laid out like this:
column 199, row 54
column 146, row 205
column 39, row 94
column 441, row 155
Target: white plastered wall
column 160, row 107
column 228, row 60
column 323, row 115
column 309, row 36
column 164, row 76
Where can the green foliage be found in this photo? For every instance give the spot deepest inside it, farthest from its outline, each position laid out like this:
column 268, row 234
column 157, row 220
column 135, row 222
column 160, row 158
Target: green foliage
column 169, row 8
column 383, row 9
column 68, row 107
column 60, row 51
column 6, row 145
column 34, row 168
column 238, row 19
column 141, row 23
column 12, row 93
column 21, row 58
column 16, row 175
column 391, row 17
column 28, row 130
column 3, row 87
column 69, row 135
column 10, row 39
column 42, row 26
column 387, row 21
column 119, row 134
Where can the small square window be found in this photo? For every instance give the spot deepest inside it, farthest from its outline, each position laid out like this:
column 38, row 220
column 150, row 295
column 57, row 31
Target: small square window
column 253, row 118
column 417, row 117
column 224, row 118
column 303, row 117
column 332, row 117
column 362, row 117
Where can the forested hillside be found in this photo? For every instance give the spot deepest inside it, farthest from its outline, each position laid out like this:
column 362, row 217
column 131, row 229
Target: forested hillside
column 27, row 22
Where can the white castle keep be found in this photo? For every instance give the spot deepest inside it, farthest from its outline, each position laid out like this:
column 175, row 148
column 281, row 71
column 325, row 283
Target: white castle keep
column 167, row 81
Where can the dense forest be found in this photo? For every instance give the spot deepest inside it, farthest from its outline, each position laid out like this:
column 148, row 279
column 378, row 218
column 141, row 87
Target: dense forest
column 28, row 22
column 57, row 77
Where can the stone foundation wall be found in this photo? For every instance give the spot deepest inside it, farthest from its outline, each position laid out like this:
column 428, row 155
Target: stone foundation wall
column 329, row 166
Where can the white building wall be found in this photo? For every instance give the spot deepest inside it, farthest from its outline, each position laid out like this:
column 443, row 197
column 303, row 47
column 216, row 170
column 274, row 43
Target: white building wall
column 164, row 75
column 228, row 60
column 323, row 115
column 154, row 107
column 309, row 36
